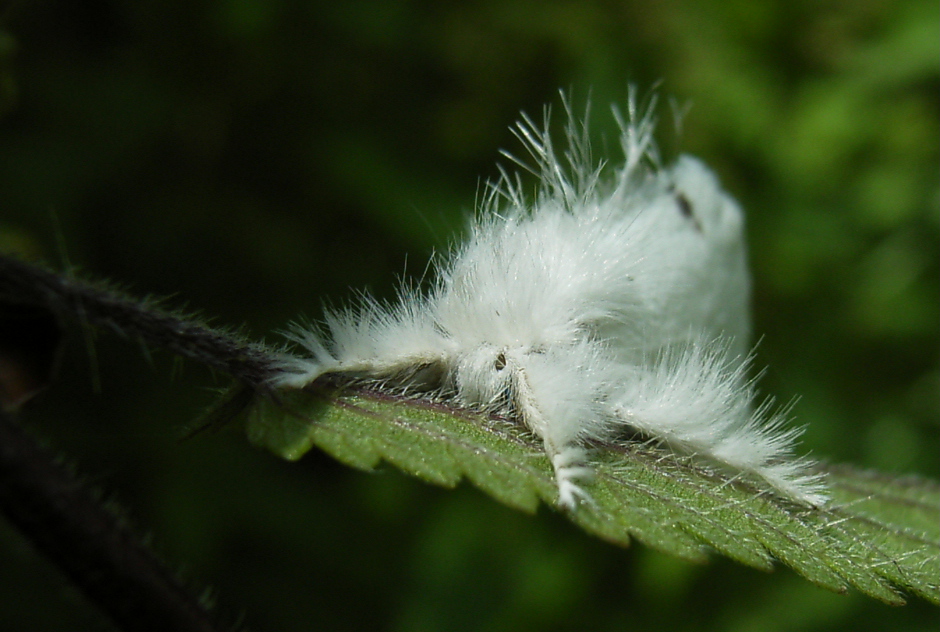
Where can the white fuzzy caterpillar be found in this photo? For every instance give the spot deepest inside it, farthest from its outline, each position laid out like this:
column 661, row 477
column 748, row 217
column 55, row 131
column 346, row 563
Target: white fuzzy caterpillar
column 611, row 300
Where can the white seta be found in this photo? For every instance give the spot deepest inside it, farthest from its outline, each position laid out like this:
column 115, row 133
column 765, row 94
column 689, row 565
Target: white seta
column 616, row 299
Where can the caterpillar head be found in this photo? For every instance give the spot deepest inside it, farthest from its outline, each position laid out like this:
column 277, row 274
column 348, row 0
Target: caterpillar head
column 483, row 376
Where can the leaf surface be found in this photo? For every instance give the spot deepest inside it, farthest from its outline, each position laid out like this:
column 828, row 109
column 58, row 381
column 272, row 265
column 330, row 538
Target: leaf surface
column 880, row 535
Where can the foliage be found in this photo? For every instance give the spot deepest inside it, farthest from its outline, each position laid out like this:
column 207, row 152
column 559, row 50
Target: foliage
column 254, row 157
column 878, row 531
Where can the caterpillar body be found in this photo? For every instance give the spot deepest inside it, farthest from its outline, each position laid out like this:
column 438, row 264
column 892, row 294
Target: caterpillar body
column 616, row 299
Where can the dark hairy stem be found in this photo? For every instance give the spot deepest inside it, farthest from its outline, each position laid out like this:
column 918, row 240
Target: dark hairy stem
column 97, row 305
column 90, row 544
column 63, row 519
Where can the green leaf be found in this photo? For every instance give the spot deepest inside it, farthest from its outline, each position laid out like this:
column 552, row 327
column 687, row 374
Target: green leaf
column 879, row 534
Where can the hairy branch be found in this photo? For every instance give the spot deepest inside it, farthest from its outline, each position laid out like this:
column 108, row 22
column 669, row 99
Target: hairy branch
column 65, row 521
column 98, row 305
column 91, row 545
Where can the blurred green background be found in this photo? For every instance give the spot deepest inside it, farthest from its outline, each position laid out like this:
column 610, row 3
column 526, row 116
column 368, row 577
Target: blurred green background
column 254, row 157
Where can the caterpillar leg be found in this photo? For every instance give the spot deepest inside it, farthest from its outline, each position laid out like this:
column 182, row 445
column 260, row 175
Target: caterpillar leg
column 571, row 468
column 699, row 401
column 558, row 419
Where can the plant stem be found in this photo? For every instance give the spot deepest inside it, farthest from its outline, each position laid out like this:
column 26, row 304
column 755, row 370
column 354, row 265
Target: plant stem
column 249, row 363
column 68, row 524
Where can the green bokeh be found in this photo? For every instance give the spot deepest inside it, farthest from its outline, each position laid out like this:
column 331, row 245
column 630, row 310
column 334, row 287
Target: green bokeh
column 254, row 158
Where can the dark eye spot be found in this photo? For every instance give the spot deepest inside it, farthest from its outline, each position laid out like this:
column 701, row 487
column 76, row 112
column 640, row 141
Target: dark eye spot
column 500, row 362
column 685, row 207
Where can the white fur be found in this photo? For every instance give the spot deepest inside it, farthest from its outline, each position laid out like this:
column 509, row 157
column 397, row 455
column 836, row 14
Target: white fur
column 616, row 297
